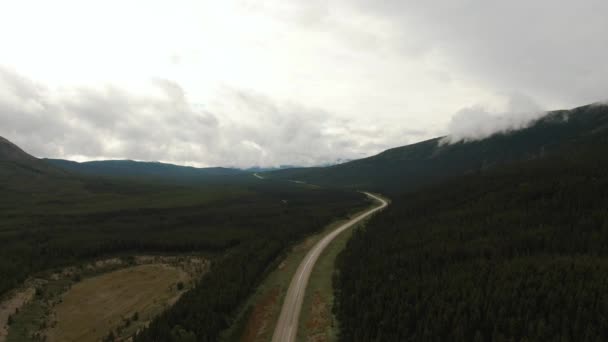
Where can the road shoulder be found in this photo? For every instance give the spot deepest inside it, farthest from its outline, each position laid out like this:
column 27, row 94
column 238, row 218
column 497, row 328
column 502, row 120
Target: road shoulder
column 317, row 322
column 258, row 317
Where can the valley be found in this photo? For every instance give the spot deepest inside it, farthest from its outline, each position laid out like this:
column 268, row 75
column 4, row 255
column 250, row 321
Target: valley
column 502, row 238
column 90, row 218
column 304, row 171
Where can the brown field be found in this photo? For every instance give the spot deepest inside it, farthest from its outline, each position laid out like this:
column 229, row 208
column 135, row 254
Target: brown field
column 260, row 319
column 319, row 320
column 95, row 306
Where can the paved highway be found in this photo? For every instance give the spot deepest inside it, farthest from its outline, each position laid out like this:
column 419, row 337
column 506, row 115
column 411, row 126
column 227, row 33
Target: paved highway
column 287, row 325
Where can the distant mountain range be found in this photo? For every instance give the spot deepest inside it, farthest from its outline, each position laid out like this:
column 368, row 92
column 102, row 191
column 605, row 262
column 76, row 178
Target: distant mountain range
column 23, row 173
column 396, row 170
column 130, row 168
column 410, row 167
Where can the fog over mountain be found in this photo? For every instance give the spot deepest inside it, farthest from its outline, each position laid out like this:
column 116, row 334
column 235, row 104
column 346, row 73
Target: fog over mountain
column 266, row 83
column 479, row 121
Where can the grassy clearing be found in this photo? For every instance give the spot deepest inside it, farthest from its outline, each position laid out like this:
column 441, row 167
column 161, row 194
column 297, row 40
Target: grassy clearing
column 257, row 319
column 317, row 322
column 34, row 307
column 120, row 301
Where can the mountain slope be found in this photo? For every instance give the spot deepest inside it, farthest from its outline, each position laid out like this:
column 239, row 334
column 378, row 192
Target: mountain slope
column 516, row 253
column 410, row 167
column 21, row 173
column 13, row 157
column 130, row 168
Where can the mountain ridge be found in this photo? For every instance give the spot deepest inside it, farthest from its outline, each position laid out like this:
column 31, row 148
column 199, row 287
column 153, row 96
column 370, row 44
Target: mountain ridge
column 410, row 167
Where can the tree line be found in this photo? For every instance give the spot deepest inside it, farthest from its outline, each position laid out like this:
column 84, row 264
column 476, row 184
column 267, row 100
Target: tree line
column 241, row 234
column 518, row 253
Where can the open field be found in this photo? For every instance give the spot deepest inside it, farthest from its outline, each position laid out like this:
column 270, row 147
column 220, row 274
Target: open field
column 109, row 302
column 35, row 307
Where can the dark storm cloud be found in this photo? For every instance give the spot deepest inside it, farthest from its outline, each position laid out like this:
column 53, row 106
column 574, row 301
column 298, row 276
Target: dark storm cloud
column 554, row 51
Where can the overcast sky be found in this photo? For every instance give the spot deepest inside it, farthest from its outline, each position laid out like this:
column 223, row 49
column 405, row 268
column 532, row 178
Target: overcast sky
column 269, row 82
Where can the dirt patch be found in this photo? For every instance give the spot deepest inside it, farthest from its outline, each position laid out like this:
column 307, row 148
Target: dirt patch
column 94, row 307
column 11, row 305
column 259, row 319
column 319, row 320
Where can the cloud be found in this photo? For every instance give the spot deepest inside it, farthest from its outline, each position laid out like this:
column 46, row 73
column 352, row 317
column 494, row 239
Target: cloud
column 243, row 128
column 478, row 122
column 553, row 51
column 245, row 82
column 106, row 122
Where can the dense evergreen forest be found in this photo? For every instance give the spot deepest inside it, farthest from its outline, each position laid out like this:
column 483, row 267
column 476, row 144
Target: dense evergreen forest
column 246, row 233
column 411, row 167
column 40, row 238
column 52, row 218
column 518, row 253
column 207, row 309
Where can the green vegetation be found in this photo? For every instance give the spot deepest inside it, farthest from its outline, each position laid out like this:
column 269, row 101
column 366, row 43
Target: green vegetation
column 52, row 218
column 500, row 239
column 259, row 314
column 518, row 253
column 316, row 319
column 414, row 166
column 155, row 170
column 105, row 304
column 212, row 305
column 32, row 317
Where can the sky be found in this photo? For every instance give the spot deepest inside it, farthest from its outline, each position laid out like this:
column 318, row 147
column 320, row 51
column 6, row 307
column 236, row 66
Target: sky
column 272, row 82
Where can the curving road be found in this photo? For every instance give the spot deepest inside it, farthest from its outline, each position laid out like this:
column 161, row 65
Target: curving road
column 287, row 325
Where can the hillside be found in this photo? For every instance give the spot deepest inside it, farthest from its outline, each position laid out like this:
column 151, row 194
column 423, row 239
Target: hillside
column 24, row 175
column 132, row 169
column 410, row 167
column 52, row 218
column 517, row 253
column 14, row 160
column 12, row 152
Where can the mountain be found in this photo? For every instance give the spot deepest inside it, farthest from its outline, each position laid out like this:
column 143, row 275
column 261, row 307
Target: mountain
column 266, row 169
column 515, row 253
column 22, row 173
column 411, row 167
column 12, row 158
column 130, row 168
column 12, row 153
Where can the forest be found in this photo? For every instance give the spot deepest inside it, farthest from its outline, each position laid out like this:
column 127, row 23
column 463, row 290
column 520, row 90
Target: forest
column 516, row 253
column 416, row 166
column 53, row 218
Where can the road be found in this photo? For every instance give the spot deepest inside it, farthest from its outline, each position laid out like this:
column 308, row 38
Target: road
column 287, row 325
